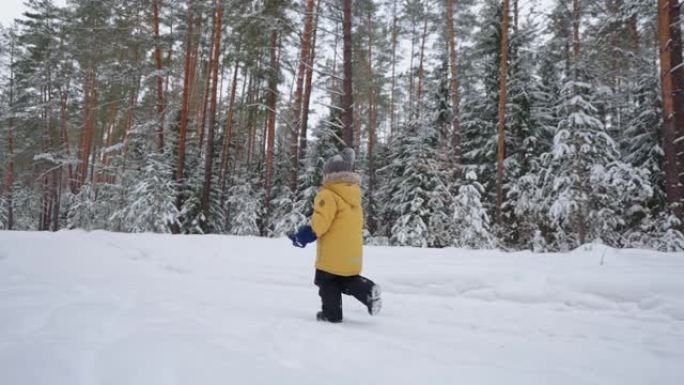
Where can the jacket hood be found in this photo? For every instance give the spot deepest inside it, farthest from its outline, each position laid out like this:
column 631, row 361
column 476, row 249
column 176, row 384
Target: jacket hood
column 346, row 185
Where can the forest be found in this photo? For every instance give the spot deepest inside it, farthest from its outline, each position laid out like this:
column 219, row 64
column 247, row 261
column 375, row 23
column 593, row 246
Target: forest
column 519, row 125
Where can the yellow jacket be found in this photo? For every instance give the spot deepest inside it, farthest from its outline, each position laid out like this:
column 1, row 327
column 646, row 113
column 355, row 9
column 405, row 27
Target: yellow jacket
column 338, row 224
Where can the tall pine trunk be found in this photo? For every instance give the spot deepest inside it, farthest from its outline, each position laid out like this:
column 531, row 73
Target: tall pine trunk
column 421, row 68
column 501, row 142
column 671, row 161
column 185, row 109
column 209, row 157
column 372, row 120
column 393, row 74
column 305, row 51
column 580, row 169
column 202, row 109
column 63, row 102
column 160, row 78
column 8, row 181
column 228, row 134
column 307, row 88
column 347, row 97
column 88, row 130
column 677, row 73
column 271, row 103
column 515, row 15
column 453, row 85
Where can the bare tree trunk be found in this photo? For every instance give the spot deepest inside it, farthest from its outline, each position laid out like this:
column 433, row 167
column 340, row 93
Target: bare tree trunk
column 307, row 88
column 9, row 173
column 252, row 119
column 575, row 33
column 49, row 177
column 583, row 178
column 305, row 51
column 209, row 159
column 194, row 103
column 394, row 63
column 86, row 140
column 202, row 110
column 241, row 147
column 272, row 100
column 251, row 124
column 185, row 110
column 419, row 92
column 169, row 58
column 63, row 95
column 160, row 78
column 671, row 164
column 128, row 122
column 63, row 100
column 107, row 136
column 501, row 143
column 677, row 72
column 372, row 120
column 228, row 134
column 411, row 74
column 453, row 85
column 347, row 97
column 515, row 15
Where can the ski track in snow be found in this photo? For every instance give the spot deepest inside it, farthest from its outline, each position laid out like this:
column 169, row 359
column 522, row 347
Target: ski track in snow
column 105, row 308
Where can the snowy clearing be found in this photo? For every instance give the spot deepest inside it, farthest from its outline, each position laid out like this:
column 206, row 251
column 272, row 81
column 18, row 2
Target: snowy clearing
column 106, row 308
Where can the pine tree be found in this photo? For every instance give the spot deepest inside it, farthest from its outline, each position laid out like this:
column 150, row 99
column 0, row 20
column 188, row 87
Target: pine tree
column 284, row 216
column 530, row 123
column 480, row 100
column 417, row 195
column 471, row 222
column 151, row 206
column 503, row 94
column 244, row 206
column 8, row 102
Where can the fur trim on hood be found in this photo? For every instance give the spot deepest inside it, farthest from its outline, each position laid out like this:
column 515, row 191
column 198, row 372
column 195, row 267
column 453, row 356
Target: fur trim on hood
column 342, row 177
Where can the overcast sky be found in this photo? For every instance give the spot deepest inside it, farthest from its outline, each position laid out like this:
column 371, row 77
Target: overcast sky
column 12, row 9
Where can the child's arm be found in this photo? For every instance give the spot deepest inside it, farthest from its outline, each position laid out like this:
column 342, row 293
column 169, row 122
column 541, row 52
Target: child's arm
column 325, row 208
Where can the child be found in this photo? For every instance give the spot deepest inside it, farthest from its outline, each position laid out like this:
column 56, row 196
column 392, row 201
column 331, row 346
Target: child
column 337, row 224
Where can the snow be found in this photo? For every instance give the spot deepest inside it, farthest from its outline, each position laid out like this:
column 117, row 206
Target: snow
column 107, row 308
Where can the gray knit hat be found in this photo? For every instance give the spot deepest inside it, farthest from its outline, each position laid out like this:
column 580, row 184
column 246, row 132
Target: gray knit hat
column 340, row 162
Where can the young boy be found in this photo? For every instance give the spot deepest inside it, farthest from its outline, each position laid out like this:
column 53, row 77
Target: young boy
column 337, row 224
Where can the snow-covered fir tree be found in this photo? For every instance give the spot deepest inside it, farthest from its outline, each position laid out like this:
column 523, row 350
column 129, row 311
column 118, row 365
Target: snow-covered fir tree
column 416, row 189
column 531, row 123
column 150, row 202
column 243, row 206
column 285, row 215
column 586, row 186
column 472, row 227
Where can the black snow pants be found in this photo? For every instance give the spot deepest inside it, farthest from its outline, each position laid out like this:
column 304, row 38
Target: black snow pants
column 331, row 287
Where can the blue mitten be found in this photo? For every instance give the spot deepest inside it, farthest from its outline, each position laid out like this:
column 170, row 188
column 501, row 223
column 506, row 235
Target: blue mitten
column 303, row 236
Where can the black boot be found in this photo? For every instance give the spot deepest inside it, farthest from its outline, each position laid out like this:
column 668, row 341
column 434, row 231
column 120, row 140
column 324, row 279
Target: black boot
column 321, row 317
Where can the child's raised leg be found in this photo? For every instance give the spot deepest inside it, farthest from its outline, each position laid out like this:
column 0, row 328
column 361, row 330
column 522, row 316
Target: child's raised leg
column 364, row 290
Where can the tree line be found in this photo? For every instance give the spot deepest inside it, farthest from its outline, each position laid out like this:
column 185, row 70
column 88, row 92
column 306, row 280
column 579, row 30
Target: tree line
column 476, row 123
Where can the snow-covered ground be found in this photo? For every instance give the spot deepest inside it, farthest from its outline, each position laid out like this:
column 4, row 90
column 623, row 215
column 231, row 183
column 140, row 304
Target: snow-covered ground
column 104, row 308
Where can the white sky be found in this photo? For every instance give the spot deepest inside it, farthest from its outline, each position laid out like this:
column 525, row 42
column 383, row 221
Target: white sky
column 11, row 9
